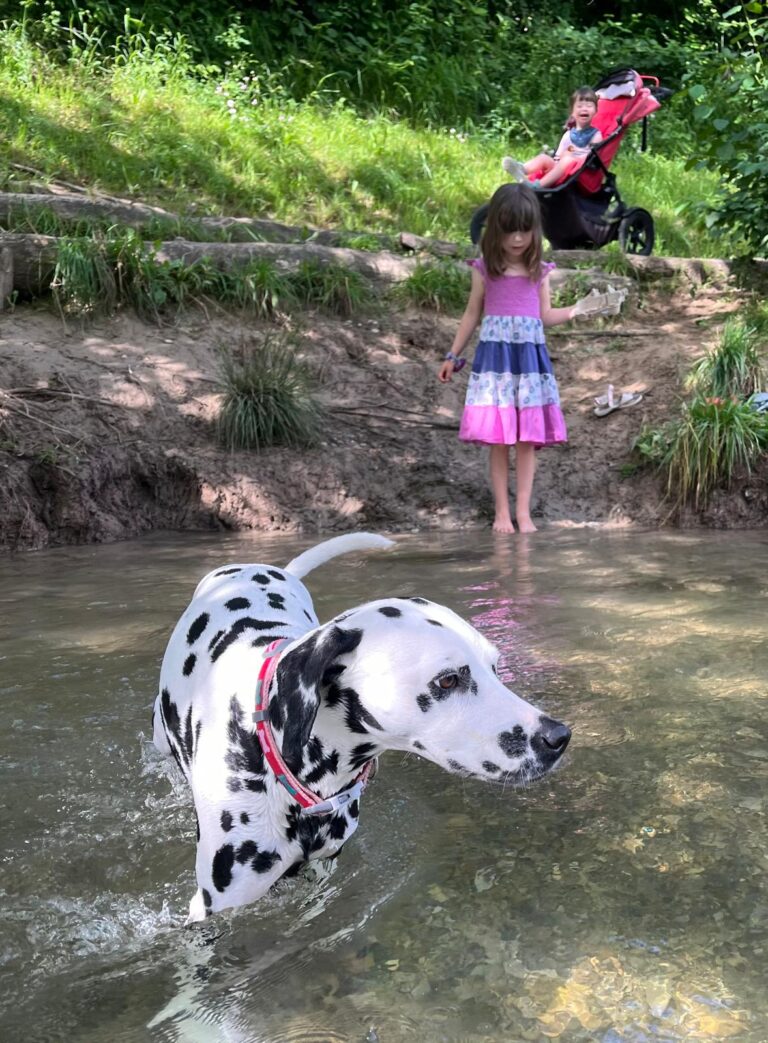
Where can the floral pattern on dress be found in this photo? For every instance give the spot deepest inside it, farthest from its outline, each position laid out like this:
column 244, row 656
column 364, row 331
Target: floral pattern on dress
column 514, row 329
column 525, row 391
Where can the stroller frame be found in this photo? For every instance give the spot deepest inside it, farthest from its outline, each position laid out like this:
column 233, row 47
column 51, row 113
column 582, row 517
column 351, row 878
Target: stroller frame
column 586, row 210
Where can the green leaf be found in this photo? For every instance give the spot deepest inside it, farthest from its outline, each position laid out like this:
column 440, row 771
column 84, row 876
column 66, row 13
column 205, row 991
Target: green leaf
column 697, row 91
column 720, row 124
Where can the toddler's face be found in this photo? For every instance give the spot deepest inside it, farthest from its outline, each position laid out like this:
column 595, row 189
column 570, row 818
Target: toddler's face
column 583, row 112
column 516, row 243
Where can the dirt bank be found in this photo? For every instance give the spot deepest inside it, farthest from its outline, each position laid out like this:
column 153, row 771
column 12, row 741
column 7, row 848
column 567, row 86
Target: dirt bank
column 107, row 427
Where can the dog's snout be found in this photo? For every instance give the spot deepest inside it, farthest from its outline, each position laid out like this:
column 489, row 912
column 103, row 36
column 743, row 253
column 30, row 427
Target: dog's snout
column 551, row 738
column 555, row 734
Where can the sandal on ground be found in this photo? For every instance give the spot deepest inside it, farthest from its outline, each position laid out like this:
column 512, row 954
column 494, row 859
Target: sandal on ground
column 609, row 403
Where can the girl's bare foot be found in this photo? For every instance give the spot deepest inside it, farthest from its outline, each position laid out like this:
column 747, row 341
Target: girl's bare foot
column 503, row 525
column 525, row 524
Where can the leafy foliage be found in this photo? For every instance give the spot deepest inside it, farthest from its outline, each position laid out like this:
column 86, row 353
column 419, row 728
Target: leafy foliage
column 730, row 91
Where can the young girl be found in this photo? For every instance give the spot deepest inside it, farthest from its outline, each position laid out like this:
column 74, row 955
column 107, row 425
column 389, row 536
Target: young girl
column 573, row 149
column 512, row 398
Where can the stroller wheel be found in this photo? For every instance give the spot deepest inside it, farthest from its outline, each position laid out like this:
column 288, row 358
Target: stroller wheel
column 477, row 223
column 636, row 232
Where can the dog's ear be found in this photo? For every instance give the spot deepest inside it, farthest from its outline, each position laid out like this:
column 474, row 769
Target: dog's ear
column 299, row 676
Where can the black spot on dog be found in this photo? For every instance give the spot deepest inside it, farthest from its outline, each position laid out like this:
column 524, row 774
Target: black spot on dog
column 256, row 785
column 259, row 577
column 276, row 601
column 353, row 808
column 226, row 821
column 180, row 736
column 328, row 764
column 424, row 702
column 338, row 828
column 197, row 628
column 244, row 818
column 361, row 754
column 223, row 861
column 490, row 767
column 314, row 750
column 418, row 745
column 419, row 601
column 207, row 900
column 227, row 572
column 237, row 629
column 275, row 575
column 267, row 639
column 357, row 718
column 390, row 611
column 303, row 829
column 234, row 785
column 455, row 766
column 309, row 618
column 235, row 604
column 434, row 623
column 513, row 743
column 189, row 664
column 214, row 639
column 244, row 754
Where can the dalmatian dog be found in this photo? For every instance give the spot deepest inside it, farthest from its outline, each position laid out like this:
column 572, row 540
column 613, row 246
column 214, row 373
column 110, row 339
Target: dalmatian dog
column 275, row 719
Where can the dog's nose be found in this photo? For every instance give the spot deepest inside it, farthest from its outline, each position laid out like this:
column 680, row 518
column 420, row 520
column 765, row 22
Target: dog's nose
column 551, row 738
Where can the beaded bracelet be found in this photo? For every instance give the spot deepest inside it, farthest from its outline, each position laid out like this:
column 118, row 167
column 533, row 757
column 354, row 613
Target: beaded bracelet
column 458, row 363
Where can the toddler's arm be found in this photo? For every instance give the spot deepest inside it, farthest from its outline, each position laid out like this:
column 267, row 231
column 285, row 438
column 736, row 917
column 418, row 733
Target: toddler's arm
column 469, row 322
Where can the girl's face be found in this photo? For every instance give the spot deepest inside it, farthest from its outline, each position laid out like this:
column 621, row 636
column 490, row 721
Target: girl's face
column 583, row 112
column 515, row 244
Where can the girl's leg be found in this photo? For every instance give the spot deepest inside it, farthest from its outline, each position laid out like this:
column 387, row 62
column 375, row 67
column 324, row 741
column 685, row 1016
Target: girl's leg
column 539, row 164
column 555, row 172
column 502, row 521
column 525, row 468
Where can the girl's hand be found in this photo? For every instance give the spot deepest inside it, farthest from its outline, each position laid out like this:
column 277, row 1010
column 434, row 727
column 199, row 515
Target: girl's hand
column 446, row 372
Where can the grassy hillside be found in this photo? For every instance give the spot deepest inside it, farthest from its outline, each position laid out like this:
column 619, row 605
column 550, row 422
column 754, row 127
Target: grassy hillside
column 149, row 125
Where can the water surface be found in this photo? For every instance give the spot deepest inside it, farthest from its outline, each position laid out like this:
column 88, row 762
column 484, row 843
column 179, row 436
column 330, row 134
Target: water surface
column 623, row 899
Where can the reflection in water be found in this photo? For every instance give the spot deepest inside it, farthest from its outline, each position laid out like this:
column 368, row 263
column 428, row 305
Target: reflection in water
column 624, row 899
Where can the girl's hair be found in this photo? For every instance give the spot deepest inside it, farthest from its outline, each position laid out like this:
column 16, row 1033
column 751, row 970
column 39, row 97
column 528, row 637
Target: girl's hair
column 583, row 94
column 513, row 208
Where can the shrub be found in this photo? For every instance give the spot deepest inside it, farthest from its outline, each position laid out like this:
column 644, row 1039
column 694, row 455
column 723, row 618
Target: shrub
column 269, row 396
column 332, row 287
column 734, row 367
column 713, row 439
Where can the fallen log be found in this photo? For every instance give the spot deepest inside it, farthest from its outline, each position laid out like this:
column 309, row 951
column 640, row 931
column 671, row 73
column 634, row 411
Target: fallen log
column 31, row 259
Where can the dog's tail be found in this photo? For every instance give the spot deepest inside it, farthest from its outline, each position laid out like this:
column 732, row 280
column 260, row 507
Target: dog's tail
column 323, row 552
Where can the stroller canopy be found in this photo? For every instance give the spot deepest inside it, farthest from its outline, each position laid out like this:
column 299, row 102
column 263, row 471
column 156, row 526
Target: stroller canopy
column 622, row 99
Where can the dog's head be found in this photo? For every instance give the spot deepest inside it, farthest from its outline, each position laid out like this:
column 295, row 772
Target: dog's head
column 411, row 675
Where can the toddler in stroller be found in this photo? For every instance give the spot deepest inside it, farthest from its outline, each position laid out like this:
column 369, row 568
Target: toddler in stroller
column 572, row 151
column 584, row 209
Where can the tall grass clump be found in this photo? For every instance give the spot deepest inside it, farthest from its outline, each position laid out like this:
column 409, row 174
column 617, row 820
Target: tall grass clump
column 734, row 367
column 84, row 277
column 269, row 396
column 712, row 441
column 439, row 286
column 331, row 287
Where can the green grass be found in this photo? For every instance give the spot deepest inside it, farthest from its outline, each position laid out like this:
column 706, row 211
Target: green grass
column 439, row 286
column 146, row 127
column 269, row 396
column 734, row 367
column 711, row 442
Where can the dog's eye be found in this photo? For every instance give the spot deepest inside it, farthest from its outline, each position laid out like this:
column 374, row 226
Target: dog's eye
column 448, row 681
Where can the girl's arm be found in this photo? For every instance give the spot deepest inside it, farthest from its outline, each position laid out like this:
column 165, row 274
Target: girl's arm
column 468, row 324
column 597, row 137
column 552, row 316
column 565, row 145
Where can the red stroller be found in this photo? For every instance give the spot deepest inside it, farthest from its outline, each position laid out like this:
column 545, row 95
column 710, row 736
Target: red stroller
column 586, row 211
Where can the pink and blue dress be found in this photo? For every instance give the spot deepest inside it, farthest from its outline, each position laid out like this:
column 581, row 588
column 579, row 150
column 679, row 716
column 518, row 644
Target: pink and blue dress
column 512, row 394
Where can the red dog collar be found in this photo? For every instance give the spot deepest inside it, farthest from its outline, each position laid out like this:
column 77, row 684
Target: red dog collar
column 311, row 803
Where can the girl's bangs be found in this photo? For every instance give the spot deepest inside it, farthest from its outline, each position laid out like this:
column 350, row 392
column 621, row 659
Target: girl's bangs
column 522, row 217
